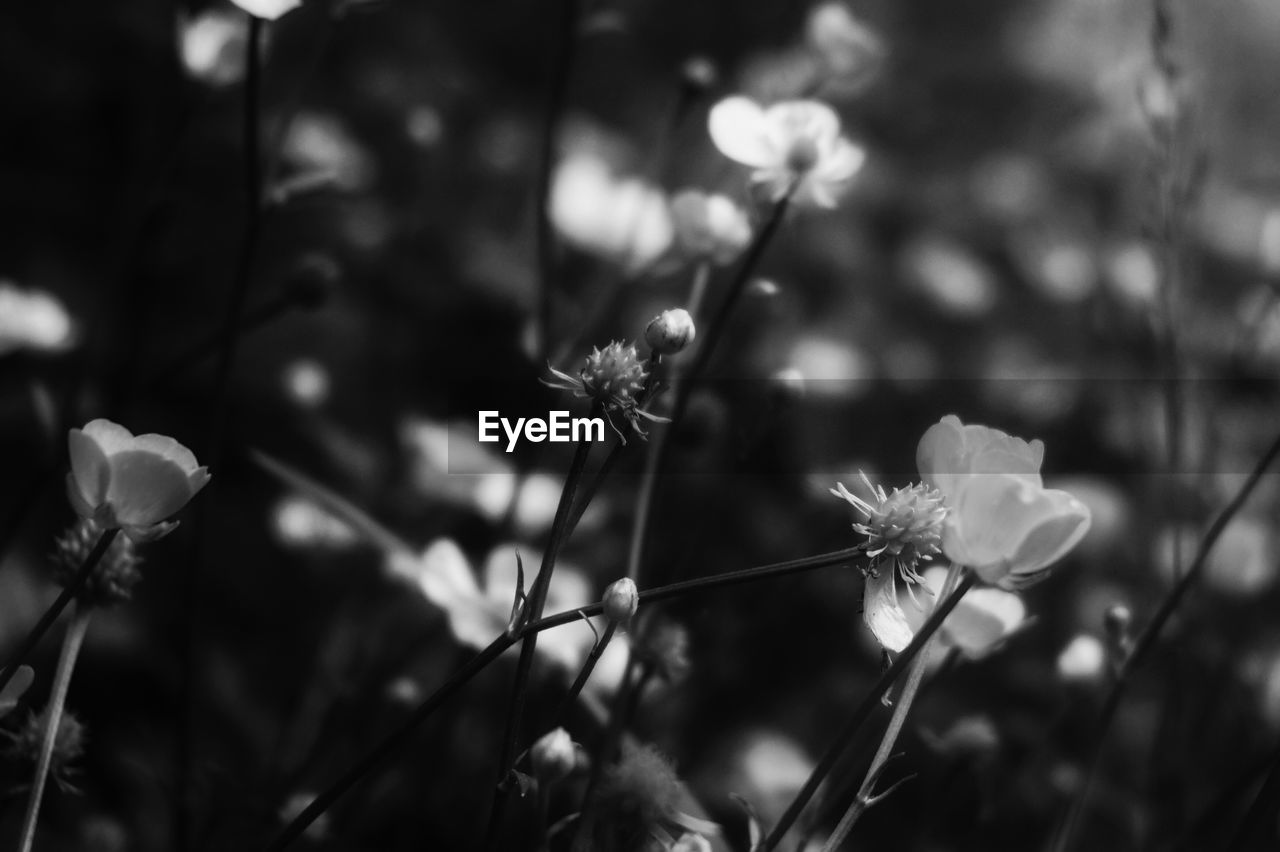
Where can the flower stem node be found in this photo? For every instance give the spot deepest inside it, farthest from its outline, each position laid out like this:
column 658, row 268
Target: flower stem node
column 133, row 483
column 670, row 331
column 614, row 378
column 620, row 601
column 553, row 757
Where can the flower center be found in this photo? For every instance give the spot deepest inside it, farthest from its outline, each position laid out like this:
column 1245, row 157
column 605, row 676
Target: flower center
column 802, row 156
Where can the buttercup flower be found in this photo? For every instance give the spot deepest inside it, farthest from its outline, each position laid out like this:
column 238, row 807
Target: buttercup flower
column 903, row 529
column 613, row 377
column 32, row 319
column 134, row 483
column 1002, row 522
column 792, row 145
column 709, row 227
column 553, row 757
column 981, row 621
column 267, row 9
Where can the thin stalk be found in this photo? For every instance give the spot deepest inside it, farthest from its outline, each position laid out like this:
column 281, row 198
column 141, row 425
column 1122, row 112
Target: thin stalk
column 1146, row 640
column 1261, row 813
column 861, row 713
column 251, row 145
column 865, row 796
column 556, row 100
column 71, row 644
column 584, row 674
column 396, row 740
column 68, row 594
column 533, row 610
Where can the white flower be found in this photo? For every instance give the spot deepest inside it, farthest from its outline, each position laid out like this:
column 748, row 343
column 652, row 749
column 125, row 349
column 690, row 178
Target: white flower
column 267, row 9
column 850, row 51
column 793, row 146
column 709, row 227
column 131, row 483
column 626, row 221
column 553, row 756
column 1084, row 659
column 979, row 624
column 1002, row 522
column 32, row 319
column 212, row 45
column 478, row 612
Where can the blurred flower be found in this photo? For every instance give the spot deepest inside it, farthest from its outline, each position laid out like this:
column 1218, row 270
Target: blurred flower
column 267, row 9
column 134, row 483
column 68, row 744
column 709, row 227
column 794, row 146
column 323, row 152
column 32, row 319
column 478, row 613
column 979, row 624
column 850, row 51
column 307, row 382
column 613, row 378
column 1242, row 564
column 1002, row 522
column 212, row 45
column 553, row 756
column 1084, row 659
column 690, row 842
column 637, row 797
column 832, row 367
column 299, row 522
column 670, row 331
column 624, row 221
column 902, row 530
column 1133, row 275
column 950, row 275
column 967, row 736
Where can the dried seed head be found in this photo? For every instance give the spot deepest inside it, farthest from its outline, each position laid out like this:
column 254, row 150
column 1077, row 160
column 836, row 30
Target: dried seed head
column 906, row 525
column 113, row 579
column 68, row 745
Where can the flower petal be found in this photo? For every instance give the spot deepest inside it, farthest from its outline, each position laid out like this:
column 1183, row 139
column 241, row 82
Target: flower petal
column 881, row 611
column 739, row 129
column 982, row 619
column 812, row 121
column 1064, row 522
column 267, row 9
column 145, row 488
column 90, row 471
column 950, row 450
column 840, row 163
column 110, row 437
column 168, row 448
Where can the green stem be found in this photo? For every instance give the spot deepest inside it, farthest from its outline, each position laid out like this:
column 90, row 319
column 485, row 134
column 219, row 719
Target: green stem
column 71, row 644
column 394, row 742
column 860, row 715
column 533, row 610
column 1146, row 640
column 865, row 796
column 68, row 594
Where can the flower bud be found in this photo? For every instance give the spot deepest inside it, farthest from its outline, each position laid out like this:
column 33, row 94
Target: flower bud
column 621, row 600
column 553, row 756
column 670, row 331
column 1117, row 620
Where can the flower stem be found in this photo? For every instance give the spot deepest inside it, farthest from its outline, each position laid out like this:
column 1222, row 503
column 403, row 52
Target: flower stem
column 556, row 100
column 865, row 796
column 1146, row 640
column 394, row 742
column 51, row 614
column 57, row 702
column 533, row 610
column 861, row 713
column 584, row 674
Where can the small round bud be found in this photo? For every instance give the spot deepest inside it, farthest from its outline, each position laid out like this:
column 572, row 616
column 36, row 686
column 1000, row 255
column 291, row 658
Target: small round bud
column 1117, row 619
column 699, row 73
column 621, row 600
column 553, row 756
column 670, row 331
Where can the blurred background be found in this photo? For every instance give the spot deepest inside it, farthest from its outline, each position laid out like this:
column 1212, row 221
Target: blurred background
column 1047, row 182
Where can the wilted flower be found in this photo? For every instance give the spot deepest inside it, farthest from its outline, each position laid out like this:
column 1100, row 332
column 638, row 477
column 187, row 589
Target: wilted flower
column 709, row 227
column 613, row 378
column 794, row 146
column 903, row 529
column 621, row 600
column 980, row 622
column 32, row 319
column 115, row 575
column 553, row 757
column 267, row 9
column 670, row 331
column 1001, row 522
column 131, row 482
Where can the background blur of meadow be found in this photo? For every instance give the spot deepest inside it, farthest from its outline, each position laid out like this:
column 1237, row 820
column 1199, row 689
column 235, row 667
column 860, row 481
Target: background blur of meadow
column 999, row 257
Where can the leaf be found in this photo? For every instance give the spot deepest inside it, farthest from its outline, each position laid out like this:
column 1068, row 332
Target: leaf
column 355, row 517
column 14, row 689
